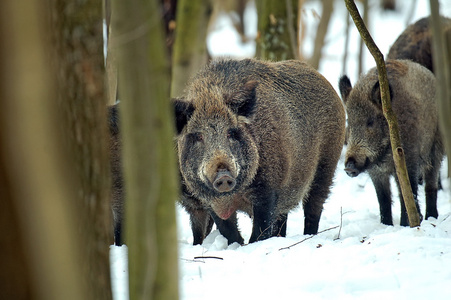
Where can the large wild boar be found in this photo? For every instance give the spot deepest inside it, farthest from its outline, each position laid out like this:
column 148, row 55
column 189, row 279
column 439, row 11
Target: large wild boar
column 117, row 195
column 414, row 43
column 258, row 137
column 412, row 91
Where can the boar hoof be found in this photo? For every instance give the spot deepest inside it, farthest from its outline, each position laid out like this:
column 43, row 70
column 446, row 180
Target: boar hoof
column 224, row 182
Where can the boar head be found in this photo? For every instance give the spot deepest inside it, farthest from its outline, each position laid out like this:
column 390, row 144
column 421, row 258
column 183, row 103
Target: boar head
column 369, row 140
column 218, row 156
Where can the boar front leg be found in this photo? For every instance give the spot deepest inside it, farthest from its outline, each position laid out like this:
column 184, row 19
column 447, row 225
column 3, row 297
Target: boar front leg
column 263, row 214
column 381, row 182
column 201, row 224
column 228, row 228
column 280, row 227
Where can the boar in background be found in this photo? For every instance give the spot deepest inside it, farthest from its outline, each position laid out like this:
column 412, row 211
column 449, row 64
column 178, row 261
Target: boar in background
column 412, row 92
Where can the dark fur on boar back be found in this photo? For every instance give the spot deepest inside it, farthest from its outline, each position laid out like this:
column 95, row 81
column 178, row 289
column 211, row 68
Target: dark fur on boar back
column 412, row 91
column 117, row 195
column 257, row 137
column 415, row 42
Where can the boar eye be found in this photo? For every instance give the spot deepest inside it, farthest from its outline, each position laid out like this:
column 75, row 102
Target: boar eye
column 233, row 133
column 370, row 122
column 196, row 137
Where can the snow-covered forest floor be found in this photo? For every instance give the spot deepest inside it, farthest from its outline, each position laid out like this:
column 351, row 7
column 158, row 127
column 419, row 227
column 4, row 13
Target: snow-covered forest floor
column 355, row 257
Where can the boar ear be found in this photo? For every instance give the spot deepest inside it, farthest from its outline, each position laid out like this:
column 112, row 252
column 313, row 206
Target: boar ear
column 183, row 111
column 376, row 93
column 344, row 84
column 243, row 103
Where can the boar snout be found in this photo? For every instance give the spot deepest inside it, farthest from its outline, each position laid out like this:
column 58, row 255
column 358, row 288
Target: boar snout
column 224, row 182
column 350, row 167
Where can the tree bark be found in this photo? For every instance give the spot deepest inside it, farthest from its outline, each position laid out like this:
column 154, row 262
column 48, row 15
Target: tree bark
column 346, row 46
column 276, row 19
column 441, row 48
column 321, row 32
column 361, row 42
column 40, row 248
column 190, row 46
column 77, row 39
column 395, row 140
column 149, row 161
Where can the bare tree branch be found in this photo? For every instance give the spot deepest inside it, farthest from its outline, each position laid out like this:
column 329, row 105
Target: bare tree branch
column 307, row 238
column 395, row 140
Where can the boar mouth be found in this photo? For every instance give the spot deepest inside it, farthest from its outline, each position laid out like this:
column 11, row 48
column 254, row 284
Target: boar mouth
column 225, row 207
column 353, row 170
column 226, row 214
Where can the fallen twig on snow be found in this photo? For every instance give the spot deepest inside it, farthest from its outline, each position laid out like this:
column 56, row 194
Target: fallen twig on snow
column 307, row 238
column 206, row 257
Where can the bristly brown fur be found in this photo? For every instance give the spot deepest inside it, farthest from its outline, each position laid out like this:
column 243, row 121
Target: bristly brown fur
column 412, row 89
column 414, row 43
column 278, row 126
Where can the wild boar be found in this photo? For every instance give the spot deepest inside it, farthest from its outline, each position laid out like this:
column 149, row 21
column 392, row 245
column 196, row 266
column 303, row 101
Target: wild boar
column 412, row 91
column 258, row 137
column 414, row 43
column 117, row 190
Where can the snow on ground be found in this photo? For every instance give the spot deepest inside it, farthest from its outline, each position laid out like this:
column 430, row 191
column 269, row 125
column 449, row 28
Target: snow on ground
column 355, row 257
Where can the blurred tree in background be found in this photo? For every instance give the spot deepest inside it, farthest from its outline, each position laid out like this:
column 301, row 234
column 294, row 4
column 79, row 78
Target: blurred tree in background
column 189, row 52
column 149, row 161
column 277, row 29
column 77, row 40
column 55, row 179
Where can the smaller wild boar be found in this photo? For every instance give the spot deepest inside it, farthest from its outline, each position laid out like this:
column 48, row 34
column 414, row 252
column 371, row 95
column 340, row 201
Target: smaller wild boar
column 415, row 43
column 258, row 137
column 412, row 91
column 117, row 195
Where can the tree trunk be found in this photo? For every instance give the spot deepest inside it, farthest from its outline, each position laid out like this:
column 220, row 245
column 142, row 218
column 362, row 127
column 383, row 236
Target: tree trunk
column 40, row 249
column 301, row 30
column 321, row 32
column 441, row 47
column 77, row 38
column 149, row 161
column 361, row 42
column 277, row 29
column 190, row 47
column 395, row 140
column 344, row 62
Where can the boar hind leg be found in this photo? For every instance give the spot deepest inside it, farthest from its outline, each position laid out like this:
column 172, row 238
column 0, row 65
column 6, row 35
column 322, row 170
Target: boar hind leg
column 431, row 197
column 381, row 184
column 319, row 191
column 432, row 180
column 313, row 207
column 228, row 228
column 201, row 224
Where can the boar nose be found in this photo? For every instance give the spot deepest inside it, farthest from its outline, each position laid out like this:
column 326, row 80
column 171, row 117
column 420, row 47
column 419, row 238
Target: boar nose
column 350, row 167
column 224, row 182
